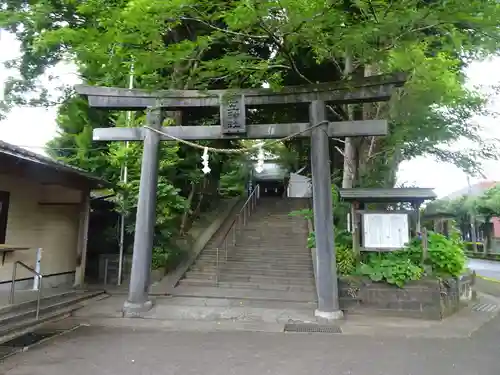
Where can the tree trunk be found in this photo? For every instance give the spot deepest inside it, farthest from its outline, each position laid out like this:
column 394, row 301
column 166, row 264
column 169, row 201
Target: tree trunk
column 370, row 150
column 350, row 163
column 185, row 215
column 350, row 154
column 197, row 210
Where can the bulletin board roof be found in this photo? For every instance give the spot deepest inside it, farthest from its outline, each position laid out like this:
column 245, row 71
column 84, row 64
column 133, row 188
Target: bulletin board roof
column 394, row 195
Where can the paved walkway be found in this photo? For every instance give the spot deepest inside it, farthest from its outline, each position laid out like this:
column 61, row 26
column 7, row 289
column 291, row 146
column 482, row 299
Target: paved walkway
column 368, row 346
column 121, row 351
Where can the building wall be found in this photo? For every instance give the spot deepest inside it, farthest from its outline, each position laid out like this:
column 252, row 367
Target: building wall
column 35, row 219
column 496, row 226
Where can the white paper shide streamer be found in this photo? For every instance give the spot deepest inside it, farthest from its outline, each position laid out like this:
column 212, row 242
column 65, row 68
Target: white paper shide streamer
column 260, row 160
column 204, row 159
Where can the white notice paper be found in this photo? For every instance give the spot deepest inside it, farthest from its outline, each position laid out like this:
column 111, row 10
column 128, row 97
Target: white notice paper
column 381, row 230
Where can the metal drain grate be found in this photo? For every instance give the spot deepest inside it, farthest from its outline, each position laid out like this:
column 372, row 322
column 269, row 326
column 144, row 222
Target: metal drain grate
column 485, row 307
column 311, row 328
column 27, row 340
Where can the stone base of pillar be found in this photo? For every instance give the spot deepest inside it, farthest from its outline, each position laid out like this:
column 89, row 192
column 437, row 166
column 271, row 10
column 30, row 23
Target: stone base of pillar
column 328, row 316
column 135, row 310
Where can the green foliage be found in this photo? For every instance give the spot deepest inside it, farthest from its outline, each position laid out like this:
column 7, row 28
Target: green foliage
column 445, row 258
column 346, row 260
column 167, row 258
column 311, row 240
column 233, row 180
column 183, row 44
column 391, row 268
column 187, row 44
column 446, row 255
column 343, row 238
column 488, row 203
column 465, row 208
column 306, row 213
column 179, row 172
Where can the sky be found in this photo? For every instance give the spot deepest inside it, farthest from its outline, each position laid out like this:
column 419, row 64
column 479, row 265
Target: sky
column 32, row 128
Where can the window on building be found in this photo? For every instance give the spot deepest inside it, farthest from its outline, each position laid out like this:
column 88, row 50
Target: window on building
column 4, row 212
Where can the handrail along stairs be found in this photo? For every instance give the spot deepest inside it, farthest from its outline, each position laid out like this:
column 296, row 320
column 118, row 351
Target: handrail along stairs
column 13, row 285
column 239, row 221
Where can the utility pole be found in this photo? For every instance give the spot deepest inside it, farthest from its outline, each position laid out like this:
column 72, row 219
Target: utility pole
column 124, row 179
column 472, row 219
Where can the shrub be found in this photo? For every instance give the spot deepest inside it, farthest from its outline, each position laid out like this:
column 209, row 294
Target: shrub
column 445, row 258
column 346, row 261
column 445, row 255
column 391, row 268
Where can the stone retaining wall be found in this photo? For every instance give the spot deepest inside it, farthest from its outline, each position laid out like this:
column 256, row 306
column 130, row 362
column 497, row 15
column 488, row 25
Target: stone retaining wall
column 425, row 299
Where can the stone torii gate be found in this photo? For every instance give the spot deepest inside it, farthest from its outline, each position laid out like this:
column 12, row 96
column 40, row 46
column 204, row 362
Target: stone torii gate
column 233, row 126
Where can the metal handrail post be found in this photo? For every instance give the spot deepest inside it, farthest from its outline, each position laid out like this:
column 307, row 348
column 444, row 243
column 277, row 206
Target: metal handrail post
column 217, row 268
column 225, row 249
column 39, row 297
column 106, row 265
column 234, row 235
column 13, row 285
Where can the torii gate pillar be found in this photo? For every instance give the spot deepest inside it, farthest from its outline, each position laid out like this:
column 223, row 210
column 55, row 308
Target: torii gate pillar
column 138, row 296
column 326, row 272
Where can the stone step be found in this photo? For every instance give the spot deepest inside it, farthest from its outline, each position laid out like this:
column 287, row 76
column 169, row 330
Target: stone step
column 271, row 262
column 300, row 273
column 254, row 278
column 271, row 251
column 274, row 231
column 19, row 319
column 268, row 227
column 230, row 268
column 262, row 257
column 285, row 263
column 249, row 285
column 292, row 244
column 260, row 279
column 254, row 267
column 211, row 291
column 197, row 282
column 195, row 301
column 278, row 219
column 199, row 275
column 172, row 310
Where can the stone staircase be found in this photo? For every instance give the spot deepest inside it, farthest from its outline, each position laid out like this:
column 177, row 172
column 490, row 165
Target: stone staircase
column 270, row 258
column 20, row 319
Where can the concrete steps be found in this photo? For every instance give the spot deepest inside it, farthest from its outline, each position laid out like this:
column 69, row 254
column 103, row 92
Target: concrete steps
column 270, row 255
column 249, row 285
column 211, row 291
column 272, row 262
column 254, row 278
column 230, row 269
column 19, row 319
column 195, row 312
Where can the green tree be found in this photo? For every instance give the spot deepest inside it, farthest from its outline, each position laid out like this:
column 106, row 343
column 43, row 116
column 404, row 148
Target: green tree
column 188, row 43
column 488, row 203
